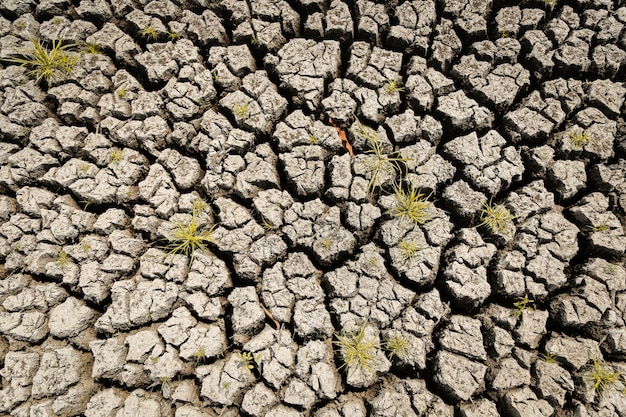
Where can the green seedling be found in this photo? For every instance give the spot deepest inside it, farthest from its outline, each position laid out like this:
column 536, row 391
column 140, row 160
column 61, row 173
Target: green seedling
column 602, row 377
column 115, row 156
column 522, row 305
column 393, row 86
column 173, row 35
column 379, row 164
column 199, row 355
column 241, row 111
column 247, row 360
column 93, row 48
column 549, row 357
column 495, row 217
column 356, row 352
column 268, row 224
column 63, row 259
column 47, row 65
column 411, row 205
column 397, row 346
column 122, row 92
column 409, row 249
column 188, row 237
column 579, row 139
column 198, row 206
column 150, row 33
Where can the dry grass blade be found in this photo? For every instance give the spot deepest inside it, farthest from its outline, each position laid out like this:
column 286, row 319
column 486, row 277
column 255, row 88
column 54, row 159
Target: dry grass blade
column 46, row 64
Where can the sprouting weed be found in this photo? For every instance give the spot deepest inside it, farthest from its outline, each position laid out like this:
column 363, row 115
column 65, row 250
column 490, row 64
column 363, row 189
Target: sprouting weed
column 604, row 227
column 173, row 35
column 45, row 64
column 393, row 86
column 313, row 139
column 255, row 40
column 153, row 359
column 411, row 205
column 602, row 377
column 216, row 76
column 241, row 111
column 356, row 352
column 549, row 357
column 85, row 246
column 150, row 33
column 579, row 139
column 397, row 346
column 115, row 156
column 409, row 249
column 86, row 203
column 379, row 164
column 200, row 355
column 522, row 305
column 198, row 206
column 268, row 224
column 93, row 48
column 122, row 92
column 504, row 34
column 326, row 242
column 188, row 237
column 63, row 259
column 247, row 360
column 372, row 262
column 495, row 217
column 56, row 20
column 84, row 167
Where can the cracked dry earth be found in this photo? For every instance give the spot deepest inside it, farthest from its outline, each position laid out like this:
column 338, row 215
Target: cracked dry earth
column 228, row 116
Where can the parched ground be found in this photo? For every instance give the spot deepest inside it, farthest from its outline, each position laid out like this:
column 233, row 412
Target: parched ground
column 400, row 208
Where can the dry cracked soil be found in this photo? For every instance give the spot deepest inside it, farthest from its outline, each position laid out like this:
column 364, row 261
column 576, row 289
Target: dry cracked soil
column 317, row 208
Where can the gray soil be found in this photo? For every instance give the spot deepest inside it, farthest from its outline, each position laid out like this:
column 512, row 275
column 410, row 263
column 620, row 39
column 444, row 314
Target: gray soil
column 282, row 136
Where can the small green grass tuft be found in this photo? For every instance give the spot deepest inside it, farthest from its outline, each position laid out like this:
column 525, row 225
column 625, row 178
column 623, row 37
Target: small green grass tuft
column 549, row 357
column 393, row 86
column 241, row 111
column 397, row 346
column 200, row 355
column 189, row 236
column 579, row 139
column 150, row 33
column 604, row 227
column 198, row 206
column 356, row 352
column 115, row 156
column 47, row 65
column 173, row 36
column 92, row 48
column 495, row 217
column 63, row 258
column 409, row 249
column 268, row 224
column 247, row 360
column 121, row 92
column 379, row 163
column 602, row 377
column 522, row 305
column 411, row 205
